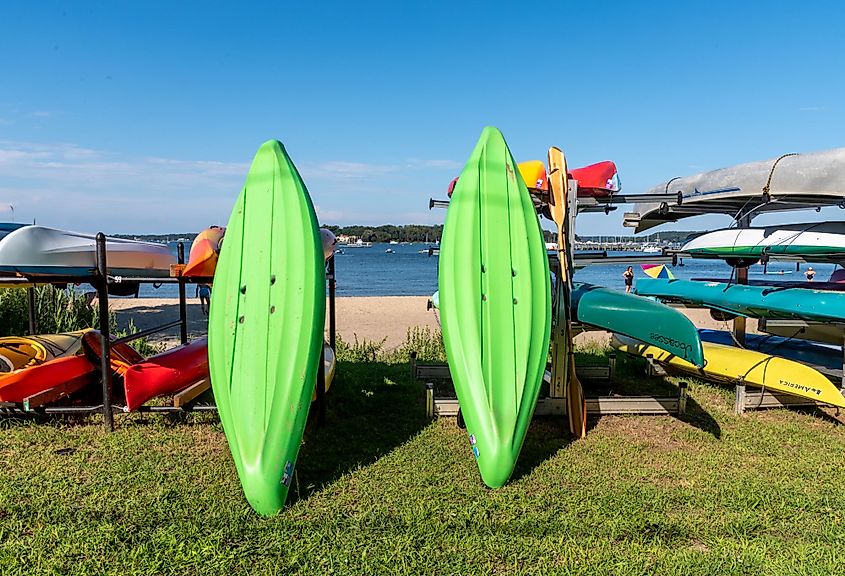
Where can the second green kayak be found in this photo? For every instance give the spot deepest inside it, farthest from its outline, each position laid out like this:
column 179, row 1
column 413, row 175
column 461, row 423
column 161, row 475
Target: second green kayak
column 495, row 305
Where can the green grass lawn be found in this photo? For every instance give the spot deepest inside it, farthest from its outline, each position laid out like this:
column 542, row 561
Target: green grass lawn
column 381, row 490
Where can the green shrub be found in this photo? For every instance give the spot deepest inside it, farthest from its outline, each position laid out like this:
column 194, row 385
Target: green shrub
column 56, row 310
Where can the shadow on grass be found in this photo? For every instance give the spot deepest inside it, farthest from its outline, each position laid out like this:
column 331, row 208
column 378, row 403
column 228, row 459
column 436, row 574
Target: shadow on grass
column 545, row 437
column 371, row 409
column 630, row 380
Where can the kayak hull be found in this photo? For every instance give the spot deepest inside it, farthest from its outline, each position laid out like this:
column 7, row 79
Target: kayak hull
column 41, row 251
column 166, row 373
column 794, row 180
column 202, row 259
column 266, row 325
column 729, row 364
column 816, row 241
column 495, row 305
column 753, row 301
column 638, row 317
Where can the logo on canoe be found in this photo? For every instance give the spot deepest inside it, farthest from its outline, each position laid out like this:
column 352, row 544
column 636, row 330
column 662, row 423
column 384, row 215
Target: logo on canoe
column 672, row 343
column 801, row 387
column 288, row 474
column 472, row 443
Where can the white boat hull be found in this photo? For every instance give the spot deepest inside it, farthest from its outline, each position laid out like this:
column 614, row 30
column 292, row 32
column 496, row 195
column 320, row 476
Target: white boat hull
column 818, row 239
column 41, row 251
column 784, row 183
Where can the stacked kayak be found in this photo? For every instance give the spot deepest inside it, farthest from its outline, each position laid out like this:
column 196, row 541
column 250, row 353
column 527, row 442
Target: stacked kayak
column 787, row 182
column 40, row 251
column 825, row 356
column 18, row 352
column 164, row 374
column 753, row 301
column 729, row 364
column 73, row 372
column 639, row 318
column 598, row 180
column 205, row 249
column 495, row 305
column 816, row 241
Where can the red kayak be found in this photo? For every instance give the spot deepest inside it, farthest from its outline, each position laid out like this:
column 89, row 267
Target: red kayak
column 165, row 373
column 597, row 180
column 75, row 371
column 72, row 372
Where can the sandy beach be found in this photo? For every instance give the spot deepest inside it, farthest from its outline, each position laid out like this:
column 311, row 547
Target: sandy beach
column 371, row 318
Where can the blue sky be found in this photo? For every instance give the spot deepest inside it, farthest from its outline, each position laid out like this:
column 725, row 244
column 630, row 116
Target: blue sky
column 143, row 117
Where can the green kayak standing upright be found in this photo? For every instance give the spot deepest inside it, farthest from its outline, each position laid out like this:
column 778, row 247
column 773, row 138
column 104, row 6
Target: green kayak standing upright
column 265, row 327
column 495, row 305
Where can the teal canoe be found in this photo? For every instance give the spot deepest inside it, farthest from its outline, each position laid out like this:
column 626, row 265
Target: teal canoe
column 753, row 301
column 641, row 318
column 495, row 305
column 265, row 329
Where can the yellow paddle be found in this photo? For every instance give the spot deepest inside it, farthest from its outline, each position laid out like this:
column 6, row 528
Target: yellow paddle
column 558, row 196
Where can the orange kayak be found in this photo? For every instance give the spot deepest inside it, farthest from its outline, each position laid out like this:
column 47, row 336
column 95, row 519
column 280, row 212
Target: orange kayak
column 76, row 372
column 205, row 249
column 165, row 373
column 17, row 385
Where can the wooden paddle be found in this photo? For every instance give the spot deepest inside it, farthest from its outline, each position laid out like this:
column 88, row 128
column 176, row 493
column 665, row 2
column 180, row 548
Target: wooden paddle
column 558, row 198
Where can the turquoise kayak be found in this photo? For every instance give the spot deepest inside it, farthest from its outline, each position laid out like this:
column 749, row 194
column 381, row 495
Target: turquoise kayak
column 637, row 317
column 752, row 301
column 495, row 305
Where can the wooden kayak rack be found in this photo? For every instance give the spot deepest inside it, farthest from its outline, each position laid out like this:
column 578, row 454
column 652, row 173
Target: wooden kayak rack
column 183, row 401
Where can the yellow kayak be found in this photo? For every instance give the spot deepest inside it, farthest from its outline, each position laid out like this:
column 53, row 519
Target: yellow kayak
column 729, row 364
column 18, row 352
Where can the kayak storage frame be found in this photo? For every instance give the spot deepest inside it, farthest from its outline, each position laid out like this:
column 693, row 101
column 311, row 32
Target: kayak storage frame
column 184, row 400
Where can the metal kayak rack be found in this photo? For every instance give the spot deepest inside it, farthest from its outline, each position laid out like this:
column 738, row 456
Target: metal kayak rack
column 183, row 401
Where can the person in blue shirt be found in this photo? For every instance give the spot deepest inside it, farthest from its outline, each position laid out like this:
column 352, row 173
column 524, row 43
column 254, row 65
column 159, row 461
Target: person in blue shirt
column 204, row 294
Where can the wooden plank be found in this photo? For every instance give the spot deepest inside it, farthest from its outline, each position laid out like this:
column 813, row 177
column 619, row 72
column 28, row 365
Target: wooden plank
column 191, row 393
column 602, row 406
column 58, row 392
column 761, row 400
column 428, row 372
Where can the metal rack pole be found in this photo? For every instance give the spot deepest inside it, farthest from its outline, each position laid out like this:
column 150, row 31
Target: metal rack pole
column 105, row 354
column 183, row 306
column 741, row 278
column 332, row 325
column 33, row 324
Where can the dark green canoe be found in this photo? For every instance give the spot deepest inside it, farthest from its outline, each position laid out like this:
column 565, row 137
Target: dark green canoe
column 638, row 317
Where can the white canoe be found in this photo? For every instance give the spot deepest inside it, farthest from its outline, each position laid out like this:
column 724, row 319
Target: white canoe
column 41, row 251
column 787, row 182
column 815, row 241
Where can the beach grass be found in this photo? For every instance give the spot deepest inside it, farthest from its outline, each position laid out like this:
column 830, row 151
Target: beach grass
column 381, row 490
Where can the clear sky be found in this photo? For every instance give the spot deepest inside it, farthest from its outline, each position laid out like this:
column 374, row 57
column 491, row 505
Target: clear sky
column 143, row 116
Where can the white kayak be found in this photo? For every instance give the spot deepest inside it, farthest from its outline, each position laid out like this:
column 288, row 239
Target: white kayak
column 40, row 251
column 788, row 182
column 815, row 241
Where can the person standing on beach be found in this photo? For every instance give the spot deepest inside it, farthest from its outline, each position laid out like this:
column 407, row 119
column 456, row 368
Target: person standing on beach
column 628, row 275
column 204, row 294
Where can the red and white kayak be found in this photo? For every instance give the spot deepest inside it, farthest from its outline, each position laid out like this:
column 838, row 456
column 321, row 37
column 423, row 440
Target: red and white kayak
column 597, row 180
